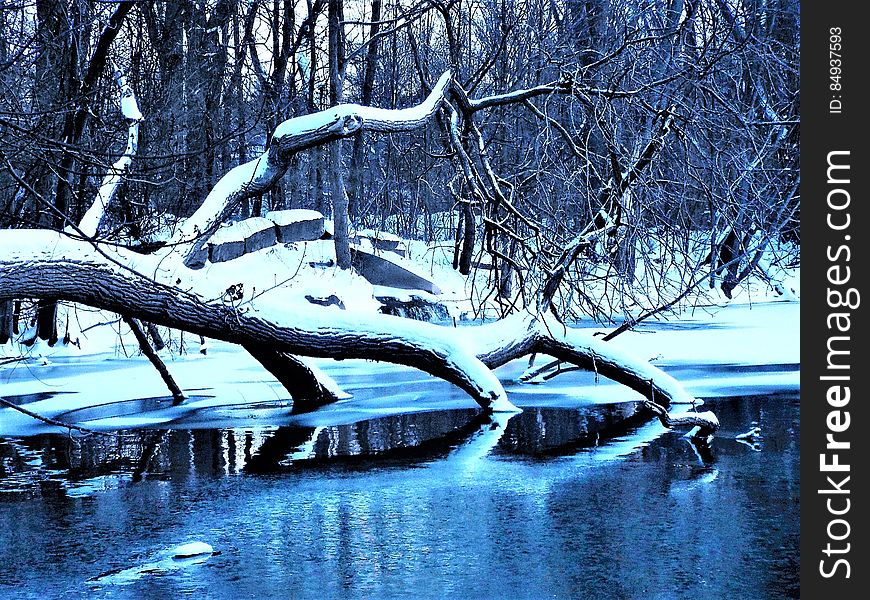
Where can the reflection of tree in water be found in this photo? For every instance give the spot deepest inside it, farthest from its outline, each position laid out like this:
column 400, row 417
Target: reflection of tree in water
column 79, row 456
column 46, row 465
column 563, row 431
column 427, row 436
column 415, row 437
column 26, row 464
column 397, row 440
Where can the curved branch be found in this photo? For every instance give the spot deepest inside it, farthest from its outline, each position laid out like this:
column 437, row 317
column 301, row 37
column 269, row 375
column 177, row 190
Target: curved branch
column 294, row 135
column 513, row 337
column 93, row 218
column 706, row 422
column 305, row 385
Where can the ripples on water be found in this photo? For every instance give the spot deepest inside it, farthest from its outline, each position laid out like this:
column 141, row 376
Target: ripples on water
column 593, row 502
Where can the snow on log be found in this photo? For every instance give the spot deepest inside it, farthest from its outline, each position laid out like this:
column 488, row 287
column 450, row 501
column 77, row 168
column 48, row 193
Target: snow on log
column 45, row 264
column 297, row 225
column 703, row 424
column 241, row 237
column 616, row 364
column 380, row 240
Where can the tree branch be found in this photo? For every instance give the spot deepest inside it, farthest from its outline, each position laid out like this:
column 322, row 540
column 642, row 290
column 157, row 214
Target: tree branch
column 294, row 135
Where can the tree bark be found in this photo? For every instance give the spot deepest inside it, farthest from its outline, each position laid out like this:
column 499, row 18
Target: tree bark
column 46, row 320
column 6, row 311
column 156, row 339
column 337, row 189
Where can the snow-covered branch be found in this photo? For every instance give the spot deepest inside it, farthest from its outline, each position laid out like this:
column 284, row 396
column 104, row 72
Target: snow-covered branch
column 476, row 104
column 565, row 86
column 90, row 223
column 294, row 135
column 45, row 264
column 518, row 335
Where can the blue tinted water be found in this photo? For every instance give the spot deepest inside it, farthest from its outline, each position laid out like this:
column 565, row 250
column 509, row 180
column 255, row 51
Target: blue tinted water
column 554, row 503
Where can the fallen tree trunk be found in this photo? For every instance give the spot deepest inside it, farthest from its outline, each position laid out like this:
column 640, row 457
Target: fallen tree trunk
column 50, row 265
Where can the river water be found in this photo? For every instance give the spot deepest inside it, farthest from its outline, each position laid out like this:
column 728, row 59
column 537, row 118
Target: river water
column 592, row 501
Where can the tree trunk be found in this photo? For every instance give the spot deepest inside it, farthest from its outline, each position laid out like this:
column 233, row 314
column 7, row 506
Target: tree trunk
column 7, row 308
column 337, row 189
column 358, row 162
column 46, row 320
column 469, row 235
column 299, row 379
column 340, row 216
column 156, row 339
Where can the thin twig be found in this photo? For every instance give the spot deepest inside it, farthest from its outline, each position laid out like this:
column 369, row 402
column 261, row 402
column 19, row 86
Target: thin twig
column 50, row 421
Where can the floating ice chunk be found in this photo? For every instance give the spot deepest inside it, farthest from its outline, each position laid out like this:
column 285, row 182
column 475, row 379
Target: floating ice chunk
column 180, row 557
column 192, row 549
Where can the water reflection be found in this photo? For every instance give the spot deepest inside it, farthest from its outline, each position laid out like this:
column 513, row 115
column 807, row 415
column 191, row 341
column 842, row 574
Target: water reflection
column 27, row 465
column 52, row 464
column 442, row 504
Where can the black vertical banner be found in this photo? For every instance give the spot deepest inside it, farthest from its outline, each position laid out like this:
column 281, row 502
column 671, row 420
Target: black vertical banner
column 835, row 425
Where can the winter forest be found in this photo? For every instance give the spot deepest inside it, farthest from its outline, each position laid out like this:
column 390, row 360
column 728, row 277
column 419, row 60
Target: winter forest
column 409, row 278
